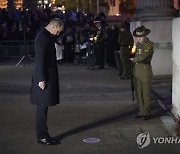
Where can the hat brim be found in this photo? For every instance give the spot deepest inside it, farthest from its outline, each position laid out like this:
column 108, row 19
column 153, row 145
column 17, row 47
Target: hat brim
column 147, row 31
column 96, row 22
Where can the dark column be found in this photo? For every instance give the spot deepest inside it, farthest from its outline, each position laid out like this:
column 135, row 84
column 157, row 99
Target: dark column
column 154, row 9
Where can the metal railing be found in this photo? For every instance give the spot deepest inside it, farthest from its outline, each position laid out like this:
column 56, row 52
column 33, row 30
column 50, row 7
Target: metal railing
column 16, row 49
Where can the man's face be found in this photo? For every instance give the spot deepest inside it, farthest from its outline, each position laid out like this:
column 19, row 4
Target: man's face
column 98, row 25
column 140, row 39
column 56, row 29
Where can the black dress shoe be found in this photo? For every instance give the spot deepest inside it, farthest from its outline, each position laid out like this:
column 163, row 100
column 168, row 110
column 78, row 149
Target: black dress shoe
column 54, row 139
column 147, row 117
column 138, row 116
column 47, row 141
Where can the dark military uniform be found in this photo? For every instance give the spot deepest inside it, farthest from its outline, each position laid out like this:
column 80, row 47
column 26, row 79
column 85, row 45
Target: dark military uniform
column 126, row 43
column 143, row 75
column 99, row 47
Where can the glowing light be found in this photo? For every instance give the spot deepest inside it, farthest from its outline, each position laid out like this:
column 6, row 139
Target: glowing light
column 45, row 1
column 18, row 4
column 3, row 3
column 133, row 51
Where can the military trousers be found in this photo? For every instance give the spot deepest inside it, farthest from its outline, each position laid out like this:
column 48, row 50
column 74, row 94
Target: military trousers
column 100, row 54
column 125, row 62
column 118, row 62
column 143, row 93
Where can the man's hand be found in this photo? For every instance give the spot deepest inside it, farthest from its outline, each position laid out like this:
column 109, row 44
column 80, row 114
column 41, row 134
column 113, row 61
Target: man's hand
column 42, row 85
column 91, row 39
column 131, row 59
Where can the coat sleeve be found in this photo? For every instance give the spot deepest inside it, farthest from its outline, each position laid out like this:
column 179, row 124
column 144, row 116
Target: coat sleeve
column 147, row 53
column 41, row 45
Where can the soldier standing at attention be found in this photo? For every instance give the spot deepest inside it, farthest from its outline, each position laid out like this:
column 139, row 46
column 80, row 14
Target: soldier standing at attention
column 99, row 44
column 125, row 41
column 143, row 71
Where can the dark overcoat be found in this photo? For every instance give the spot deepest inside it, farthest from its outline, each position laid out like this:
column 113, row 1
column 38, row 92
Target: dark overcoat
column 45, row 70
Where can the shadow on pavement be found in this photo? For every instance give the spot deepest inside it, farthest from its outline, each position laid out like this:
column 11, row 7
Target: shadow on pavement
column 157, row 112
column 98, row 123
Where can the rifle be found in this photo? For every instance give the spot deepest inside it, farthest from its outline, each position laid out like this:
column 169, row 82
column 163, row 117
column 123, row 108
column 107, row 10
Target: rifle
column 132, row 80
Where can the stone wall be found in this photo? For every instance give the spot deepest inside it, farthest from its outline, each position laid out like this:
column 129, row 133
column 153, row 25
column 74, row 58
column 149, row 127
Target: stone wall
column 154, row 9
column 154, row 4
column 176, row 67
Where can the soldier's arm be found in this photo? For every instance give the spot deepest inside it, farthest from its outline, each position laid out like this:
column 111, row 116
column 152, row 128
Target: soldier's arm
column 147, row 53
column 131, row 41
column 100, row 35
column 120, row 38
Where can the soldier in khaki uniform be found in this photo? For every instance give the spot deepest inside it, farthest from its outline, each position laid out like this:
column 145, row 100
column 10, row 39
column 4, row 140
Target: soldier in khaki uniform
column 143, row 71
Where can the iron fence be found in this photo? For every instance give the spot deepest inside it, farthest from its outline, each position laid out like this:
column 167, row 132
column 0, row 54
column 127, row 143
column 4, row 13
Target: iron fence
column 16, row 49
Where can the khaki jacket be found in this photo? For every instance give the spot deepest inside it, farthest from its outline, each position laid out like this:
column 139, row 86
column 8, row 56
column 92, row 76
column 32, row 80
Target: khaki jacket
column 143, row 57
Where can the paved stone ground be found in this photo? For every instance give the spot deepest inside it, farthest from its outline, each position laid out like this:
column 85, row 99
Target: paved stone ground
column 94, row 103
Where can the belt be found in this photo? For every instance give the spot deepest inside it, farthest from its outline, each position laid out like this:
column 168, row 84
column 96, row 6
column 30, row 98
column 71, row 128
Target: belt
column 124, row 45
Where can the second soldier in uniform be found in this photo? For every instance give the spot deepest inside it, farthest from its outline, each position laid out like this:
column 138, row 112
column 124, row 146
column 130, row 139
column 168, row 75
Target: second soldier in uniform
column 99, row 44
column 126, row 42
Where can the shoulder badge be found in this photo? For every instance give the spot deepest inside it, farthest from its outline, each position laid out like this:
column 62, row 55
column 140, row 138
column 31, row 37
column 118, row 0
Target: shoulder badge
column 149, row 46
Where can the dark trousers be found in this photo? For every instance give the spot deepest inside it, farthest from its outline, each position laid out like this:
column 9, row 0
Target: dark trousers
column 118, row 62
column 99, row 47
column 109, row 54
column 69, row 52
column 41, row 122
column 125, row 62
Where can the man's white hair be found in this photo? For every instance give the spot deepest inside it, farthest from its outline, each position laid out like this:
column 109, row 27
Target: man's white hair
column 56, row 22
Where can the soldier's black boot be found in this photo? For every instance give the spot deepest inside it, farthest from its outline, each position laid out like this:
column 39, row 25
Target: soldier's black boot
column 147, row 117
column 138, row 116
